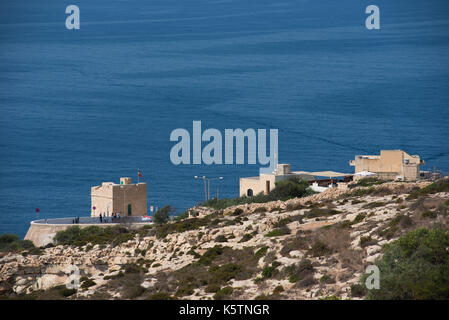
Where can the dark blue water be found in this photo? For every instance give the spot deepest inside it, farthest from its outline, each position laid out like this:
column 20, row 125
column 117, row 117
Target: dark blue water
column 82, row 107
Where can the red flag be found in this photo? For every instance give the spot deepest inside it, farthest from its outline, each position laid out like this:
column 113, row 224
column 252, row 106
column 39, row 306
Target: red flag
column 139, row 174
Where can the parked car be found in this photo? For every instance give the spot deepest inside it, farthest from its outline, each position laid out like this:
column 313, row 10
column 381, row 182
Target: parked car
column 147, row 219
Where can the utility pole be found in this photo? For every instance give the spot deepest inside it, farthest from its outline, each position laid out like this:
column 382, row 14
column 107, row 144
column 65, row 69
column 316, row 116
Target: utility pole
column 207, row 186
column 209, row 179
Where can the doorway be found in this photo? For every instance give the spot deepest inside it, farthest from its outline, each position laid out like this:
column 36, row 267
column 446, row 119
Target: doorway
column 267, row 187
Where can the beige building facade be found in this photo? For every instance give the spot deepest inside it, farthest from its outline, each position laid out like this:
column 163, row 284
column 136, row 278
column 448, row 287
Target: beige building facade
column 389, row 165
column 264, row 183
column 125, row 198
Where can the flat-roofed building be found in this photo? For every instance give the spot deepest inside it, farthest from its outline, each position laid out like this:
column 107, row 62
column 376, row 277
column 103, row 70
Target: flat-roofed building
column 125, row 198
column 389, row 165
column 264, row 183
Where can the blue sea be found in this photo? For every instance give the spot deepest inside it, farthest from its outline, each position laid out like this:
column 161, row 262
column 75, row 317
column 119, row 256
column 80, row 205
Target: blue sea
column 79, row 107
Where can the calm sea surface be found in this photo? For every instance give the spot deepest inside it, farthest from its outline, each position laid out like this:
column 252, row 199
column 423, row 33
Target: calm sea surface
column 82, row 107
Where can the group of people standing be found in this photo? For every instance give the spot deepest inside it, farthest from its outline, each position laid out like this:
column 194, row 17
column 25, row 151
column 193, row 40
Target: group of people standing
column 104, row 218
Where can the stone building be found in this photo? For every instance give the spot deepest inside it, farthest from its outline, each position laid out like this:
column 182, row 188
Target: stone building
column 125, row 198
column 389, row 165
column 250, row 186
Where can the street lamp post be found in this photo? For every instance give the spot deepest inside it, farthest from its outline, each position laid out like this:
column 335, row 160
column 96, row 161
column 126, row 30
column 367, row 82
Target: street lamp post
column 204, row 179
column 207, row 186
column 124, row 192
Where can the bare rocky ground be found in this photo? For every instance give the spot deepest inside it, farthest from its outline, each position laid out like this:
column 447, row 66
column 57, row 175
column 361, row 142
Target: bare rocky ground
column 306, row 248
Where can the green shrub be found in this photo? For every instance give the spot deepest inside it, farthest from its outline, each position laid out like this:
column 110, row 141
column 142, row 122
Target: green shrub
column 441, row 185
column 320, row 212
column 327, row 279
column 132, row 268
column 406, row 222
column 186, row 290
column 373, row 190
column 393, row 226
column 76, row 236
column 261, row 252
column 209, row 256
column 299, row 271
column 260, row 210
column 224, row 273
column 388, row 232
column 345, row 224
column 162, row 230
column 278, row 232
column 294, row 206
column 429, row 214
column 193, row 253
column 11, row 243
column 223, row 293
column 163, row 215
column 278, row 290
column 268, row 272
column 306, row 282
column 366, row 241
column 368, row 182
column 118, row 275
column 358, row 290
column 237, row 212
column 291, row 188
column 8, row 238
column 246, row 237
column 359, row 218
column 415, row 266
column 294, row 278
column 68, row 292
column 87, row 283
column 212, row 288
column 373, row 205
column 181, row 216
column 32, row 251
column 284, row 190
column 318, row 249
column 221, row 266
column 221, row 238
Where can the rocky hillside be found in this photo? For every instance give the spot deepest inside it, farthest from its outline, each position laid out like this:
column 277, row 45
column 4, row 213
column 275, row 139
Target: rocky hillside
column 305, row 248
